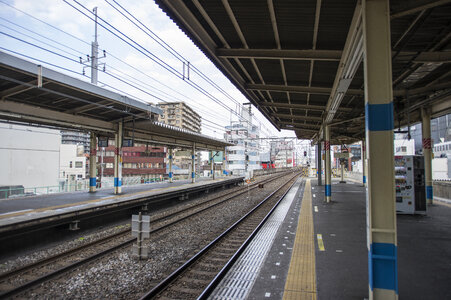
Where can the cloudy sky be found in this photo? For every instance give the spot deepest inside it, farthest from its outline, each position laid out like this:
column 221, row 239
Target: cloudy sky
column 147, row 71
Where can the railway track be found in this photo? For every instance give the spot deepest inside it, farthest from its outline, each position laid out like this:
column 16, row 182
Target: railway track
column 28, row 276
column 197, row 277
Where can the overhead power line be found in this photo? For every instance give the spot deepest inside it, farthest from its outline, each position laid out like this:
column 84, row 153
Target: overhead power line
column 148, row 54
column 142, row 87
column 48, row 24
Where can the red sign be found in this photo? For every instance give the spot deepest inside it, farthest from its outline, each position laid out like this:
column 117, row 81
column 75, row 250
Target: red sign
column 427, row 143
column 326, row 145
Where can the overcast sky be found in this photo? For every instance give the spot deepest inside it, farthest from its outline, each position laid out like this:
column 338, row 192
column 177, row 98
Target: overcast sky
column 152, row 82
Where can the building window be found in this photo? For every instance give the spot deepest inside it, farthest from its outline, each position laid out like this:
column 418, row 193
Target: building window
column 109, row 165
column 78, row 164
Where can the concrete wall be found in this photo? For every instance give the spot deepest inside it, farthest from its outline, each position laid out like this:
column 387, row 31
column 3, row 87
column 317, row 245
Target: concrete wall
column 29, row 156
column 441, row 168
column 442, row 189
column 71, row 154
column 404, row 147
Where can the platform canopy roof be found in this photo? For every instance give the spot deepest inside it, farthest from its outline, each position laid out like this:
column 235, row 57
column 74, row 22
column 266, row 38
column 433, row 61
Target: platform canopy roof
column 300, row 62
column 35, row 95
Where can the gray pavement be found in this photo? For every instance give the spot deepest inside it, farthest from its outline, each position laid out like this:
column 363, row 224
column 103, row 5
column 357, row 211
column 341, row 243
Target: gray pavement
column 424, row 248
column 42, row 201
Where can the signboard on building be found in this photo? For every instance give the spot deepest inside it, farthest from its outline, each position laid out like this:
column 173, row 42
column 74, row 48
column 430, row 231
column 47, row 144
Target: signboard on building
column 218, row 156
column 343, row 155
column 183, row 153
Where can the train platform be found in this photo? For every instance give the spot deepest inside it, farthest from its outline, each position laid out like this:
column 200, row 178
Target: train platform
column 311, row 249
column 61, row 208
column 18, row 204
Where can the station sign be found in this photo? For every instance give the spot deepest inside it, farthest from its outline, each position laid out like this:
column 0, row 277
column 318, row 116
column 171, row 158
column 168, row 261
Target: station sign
column 102, row 141
column 183, row 153
column 343, row 155
column 127, row 143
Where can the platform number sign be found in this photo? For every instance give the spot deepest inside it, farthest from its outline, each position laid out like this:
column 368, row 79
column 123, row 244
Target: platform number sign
column 102, row 141
column 127, row 143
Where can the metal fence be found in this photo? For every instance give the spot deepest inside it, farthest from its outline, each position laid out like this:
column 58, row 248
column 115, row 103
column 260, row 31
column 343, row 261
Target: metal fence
column 79, row 185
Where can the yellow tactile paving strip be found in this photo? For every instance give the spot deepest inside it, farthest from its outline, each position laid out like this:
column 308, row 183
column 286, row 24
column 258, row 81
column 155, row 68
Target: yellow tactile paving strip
column 301, row 279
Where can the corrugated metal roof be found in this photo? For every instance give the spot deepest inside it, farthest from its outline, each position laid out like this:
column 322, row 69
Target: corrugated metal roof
column 248, row 42
column 66, row 102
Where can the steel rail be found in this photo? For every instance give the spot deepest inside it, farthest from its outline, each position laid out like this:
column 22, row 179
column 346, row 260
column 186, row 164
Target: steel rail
column 215, row 282
column 46, row 261
column 6, row 275
column 173, row 276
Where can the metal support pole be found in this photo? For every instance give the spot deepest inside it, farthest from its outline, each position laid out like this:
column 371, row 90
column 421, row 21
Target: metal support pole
column 342, row 173
column 327, row 170
column 363, row 155
column 381, row 204
column 224, row 162
column 170, row 163
column 118, row 161
column 94, row 53
column 212, row 166
column 318, row 163
column 427, row 153
column 92, row 163
column 193, row 164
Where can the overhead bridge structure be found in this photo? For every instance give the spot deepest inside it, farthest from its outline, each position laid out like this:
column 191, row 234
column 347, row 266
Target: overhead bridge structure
column 33, row 94
column 337, row 72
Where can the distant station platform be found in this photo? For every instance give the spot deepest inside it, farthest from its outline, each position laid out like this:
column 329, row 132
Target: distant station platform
column 310, row 249
column 18, row 213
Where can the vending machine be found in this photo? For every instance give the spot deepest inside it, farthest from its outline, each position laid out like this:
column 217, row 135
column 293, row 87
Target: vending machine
column 410, row 184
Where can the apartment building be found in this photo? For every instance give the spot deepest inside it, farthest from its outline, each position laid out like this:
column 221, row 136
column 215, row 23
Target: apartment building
column 282, row 153
column 75, row 138
column 180, row 115
column 244, row 157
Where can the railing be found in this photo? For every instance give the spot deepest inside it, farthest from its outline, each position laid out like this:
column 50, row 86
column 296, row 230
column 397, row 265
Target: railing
column 42, row 190
column 80, row 185
column 83, row 185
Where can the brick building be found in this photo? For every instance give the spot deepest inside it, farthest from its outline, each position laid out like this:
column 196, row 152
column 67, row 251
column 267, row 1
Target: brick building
column 141, row 163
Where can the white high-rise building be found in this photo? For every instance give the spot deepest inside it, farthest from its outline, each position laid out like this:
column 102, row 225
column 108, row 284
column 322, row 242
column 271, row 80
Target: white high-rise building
column 244, row 157
column 282, row 153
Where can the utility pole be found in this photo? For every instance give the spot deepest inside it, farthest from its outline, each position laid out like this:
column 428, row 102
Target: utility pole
column 94, row 52
column 94, row 57
column 94, row 74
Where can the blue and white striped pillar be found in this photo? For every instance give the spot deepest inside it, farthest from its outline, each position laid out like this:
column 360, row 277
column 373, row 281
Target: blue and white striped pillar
column 327, row 169
column 427, row 152
column 170, row 164
column 381, row 205
column 92, row 163
column 224, row 162
column 118, row 161
column 363, row 155
column 193, row 164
